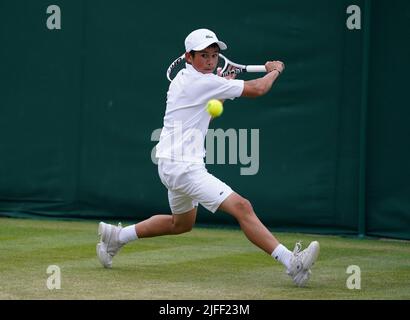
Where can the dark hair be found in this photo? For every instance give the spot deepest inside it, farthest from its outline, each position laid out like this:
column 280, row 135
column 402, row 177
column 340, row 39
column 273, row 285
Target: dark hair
column 213, row 45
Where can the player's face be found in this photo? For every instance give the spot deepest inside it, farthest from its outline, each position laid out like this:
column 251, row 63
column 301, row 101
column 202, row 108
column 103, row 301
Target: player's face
column 205, row 61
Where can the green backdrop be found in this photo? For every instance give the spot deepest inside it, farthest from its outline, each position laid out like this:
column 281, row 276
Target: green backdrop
column 79, row 105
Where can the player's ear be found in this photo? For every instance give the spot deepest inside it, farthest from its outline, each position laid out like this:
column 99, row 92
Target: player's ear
column 188, row 57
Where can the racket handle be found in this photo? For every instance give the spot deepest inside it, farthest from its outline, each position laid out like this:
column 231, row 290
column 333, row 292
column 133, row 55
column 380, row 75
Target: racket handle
column 255, row 69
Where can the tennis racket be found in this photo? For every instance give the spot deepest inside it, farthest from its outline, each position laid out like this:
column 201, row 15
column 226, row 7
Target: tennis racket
column 228, row 67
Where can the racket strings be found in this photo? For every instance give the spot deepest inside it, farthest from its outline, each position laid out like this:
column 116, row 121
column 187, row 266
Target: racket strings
column 172, row 69
column 230, row 69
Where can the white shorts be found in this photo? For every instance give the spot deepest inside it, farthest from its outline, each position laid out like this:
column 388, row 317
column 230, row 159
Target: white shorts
column 189, row 184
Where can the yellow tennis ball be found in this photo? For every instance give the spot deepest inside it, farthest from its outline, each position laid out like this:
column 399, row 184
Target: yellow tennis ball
column 214, row 108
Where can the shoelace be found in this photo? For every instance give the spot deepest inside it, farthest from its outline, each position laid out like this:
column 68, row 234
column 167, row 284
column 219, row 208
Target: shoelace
column 298, row 247
column 296, row 267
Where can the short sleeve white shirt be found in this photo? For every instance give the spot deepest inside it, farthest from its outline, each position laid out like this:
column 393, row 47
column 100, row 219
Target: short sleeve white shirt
column 186, row 120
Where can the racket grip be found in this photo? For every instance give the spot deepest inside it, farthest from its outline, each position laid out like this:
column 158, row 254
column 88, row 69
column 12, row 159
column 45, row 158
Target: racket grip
column 255, row 69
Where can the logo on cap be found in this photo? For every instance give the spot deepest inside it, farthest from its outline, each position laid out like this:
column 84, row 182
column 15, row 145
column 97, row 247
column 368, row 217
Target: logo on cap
column 209, row 37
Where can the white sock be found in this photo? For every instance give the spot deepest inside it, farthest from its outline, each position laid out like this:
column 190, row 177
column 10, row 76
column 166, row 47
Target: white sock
column 128, row 234
column 283, row 255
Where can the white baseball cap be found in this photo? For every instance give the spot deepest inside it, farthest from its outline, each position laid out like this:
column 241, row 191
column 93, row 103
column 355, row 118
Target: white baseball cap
column 202, row 38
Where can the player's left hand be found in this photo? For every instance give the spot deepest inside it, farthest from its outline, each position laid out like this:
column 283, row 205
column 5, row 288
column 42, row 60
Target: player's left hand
column 275, row 65
column 229, row 76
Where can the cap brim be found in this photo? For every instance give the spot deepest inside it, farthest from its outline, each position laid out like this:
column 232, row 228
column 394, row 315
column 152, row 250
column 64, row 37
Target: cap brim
column 206, row 44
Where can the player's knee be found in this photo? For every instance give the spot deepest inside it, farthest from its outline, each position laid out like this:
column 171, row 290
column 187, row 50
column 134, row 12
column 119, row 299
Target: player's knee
column 244, row 206
column 187, row 228
column 182, row 228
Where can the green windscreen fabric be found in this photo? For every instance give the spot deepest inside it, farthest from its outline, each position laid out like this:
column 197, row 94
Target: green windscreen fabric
column 82, row 107
column 388, row 174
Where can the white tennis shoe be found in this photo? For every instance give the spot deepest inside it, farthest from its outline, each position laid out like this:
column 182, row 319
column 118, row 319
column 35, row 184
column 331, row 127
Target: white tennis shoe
column 109, row 244
column 302, row 261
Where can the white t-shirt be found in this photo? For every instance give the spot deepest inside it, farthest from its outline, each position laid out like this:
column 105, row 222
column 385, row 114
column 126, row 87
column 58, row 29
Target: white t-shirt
column 186, row 120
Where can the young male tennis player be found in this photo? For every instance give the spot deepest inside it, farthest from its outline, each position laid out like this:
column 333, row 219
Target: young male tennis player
column 181, row 167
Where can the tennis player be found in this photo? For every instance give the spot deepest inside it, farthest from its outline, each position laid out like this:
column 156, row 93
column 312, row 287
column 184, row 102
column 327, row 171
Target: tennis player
column 181, row 167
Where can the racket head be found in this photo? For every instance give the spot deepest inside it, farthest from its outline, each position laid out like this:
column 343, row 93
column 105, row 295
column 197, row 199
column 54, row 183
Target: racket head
column 227, row 66
column 175, row 67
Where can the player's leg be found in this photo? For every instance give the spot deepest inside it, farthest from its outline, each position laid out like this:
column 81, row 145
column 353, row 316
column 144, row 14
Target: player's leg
column 160, row 225
column 297, row 263
column 182, row 219
column 241, row 209
column 113, row 238
column 183, row 207
column 214, row 194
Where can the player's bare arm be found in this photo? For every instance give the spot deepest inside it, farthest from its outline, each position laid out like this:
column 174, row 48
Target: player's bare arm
column 259, row 87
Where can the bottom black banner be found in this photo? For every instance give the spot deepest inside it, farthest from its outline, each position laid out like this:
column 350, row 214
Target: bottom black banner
column 194, row 309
